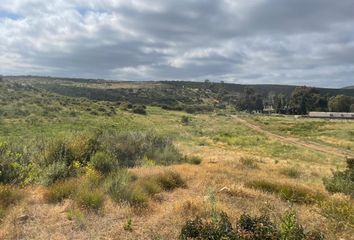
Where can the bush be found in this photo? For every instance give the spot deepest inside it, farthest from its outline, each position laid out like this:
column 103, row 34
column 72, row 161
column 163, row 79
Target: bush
column 59, row 151
column 291, row 172
column 90, row 198
column 55, row 172
column 117, row 183
column 139, row 109
column 291, row 193
column 169, row 180
column 193, row 160
column 342, row 181
column 247, row 228
column 61, row 190
column 131, row 147
column 185, row 120
column 104, row 162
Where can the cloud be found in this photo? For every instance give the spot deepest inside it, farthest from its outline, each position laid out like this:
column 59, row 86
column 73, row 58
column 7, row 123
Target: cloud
column 261, row 41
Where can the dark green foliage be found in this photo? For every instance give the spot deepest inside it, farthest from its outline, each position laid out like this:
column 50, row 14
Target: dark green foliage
column 200, row 229
column 104, row 162
column 139, row 109
column 131, row 147
column 169, row 180
column 54, row 172
column 61, row 190
column 247, row 228
column 59, row 151
column 185, row 120
column 193, row 160
column 340, row 103
column 342, row 181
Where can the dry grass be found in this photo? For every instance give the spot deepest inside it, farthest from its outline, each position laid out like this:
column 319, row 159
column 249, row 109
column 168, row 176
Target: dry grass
column 222, row 171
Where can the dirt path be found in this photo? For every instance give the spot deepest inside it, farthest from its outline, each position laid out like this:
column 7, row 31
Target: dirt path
column 313, row 146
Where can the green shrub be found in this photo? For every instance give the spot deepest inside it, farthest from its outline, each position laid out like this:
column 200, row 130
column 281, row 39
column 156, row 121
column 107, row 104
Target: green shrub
column 185, row 120
column 169, row 180
column 104, row 162
column 90, row 198
column 193, row 160
column 139, row 109
column 61, row 190
column 59, row 151
column 117, row 184
column 246, row 228
column 342, row 181
column 54, row 172
column 291, row 172
column 131, row 147
column 291, row 193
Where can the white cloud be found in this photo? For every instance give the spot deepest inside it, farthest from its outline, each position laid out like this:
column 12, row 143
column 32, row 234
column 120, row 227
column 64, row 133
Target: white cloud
column 262, row 41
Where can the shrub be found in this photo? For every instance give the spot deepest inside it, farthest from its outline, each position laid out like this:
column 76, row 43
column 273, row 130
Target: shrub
column 90, row 198
column 342, row 181
column 61, row 190
column 340, row 211
column 247, row 228
column 139, row 109
column 54, row 172
column 117, row 183
column 193, row 160
column 104, row 162
column 131, row 147
column 185, row 120
column 291, row 172
column 169, row 180
column 198, row 228
column 295, row 194
column 59, row 151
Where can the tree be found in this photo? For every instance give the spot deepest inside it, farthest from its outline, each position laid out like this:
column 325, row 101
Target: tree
column 352, row 108
column 340, row 103
column 304, row 99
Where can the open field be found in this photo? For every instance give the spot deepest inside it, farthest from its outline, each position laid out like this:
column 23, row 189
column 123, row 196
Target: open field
column 241, row 170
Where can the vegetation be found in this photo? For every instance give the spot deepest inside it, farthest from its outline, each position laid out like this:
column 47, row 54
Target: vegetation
column 247, row 228
column 75, row 158
column 342, row 181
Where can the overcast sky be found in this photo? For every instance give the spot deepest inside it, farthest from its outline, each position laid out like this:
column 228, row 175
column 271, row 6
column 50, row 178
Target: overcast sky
column 243, row 41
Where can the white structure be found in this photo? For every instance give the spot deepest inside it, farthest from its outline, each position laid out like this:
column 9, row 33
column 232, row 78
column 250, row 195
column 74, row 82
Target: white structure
column 340, row 115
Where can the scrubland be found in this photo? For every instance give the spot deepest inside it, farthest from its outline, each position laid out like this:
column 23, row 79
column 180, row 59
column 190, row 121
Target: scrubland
column 81, row 169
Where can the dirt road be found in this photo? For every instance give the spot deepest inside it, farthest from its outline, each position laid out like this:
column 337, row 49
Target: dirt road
column 286, row 139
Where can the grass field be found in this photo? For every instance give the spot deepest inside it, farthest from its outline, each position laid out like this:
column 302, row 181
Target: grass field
column 242, row 170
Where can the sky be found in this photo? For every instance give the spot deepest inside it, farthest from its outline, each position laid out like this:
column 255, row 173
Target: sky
column 298, row 42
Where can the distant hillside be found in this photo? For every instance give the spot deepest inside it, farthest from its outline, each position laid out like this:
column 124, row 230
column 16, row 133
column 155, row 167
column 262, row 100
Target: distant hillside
column 349, row 87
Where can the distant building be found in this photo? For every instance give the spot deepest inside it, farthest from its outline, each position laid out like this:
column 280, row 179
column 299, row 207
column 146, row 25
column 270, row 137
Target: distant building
column 338, row 115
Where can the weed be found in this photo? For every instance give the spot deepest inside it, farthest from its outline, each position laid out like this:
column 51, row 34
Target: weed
column 339, row 210
column 90, row 198
column 104, row 162
column 249, row 163
column 291, row 172
column 61, row 190
column 193, row 160
column 291, row 193
column 128, row 226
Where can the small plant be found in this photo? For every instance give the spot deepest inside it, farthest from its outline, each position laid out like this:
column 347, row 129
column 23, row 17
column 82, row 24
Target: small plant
column 128, row 226
column 185, row 120
column 291, row 172
column 61, row 190
column 139, row 109
column 249, row 163
column 342, row 181
column 76, row 215
column 169, row 180
column 90, row 198
column 55, row 172
column 193, row 160
column 104, row 162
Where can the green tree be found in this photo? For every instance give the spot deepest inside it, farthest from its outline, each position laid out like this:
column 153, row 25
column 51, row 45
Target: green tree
column 340, row 103
column 304, row 99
